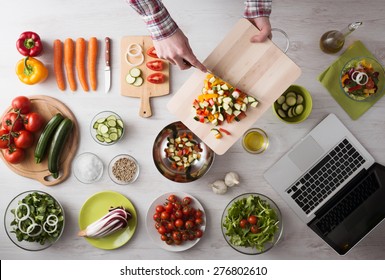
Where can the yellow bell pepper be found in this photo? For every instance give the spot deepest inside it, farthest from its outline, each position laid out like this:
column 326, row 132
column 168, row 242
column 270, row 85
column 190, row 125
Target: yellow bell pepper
column 31, row 71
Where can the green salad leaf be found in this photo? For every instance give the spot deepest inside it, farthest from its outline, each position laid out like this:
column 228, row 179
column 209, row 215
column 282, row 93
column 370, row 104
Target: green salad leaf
column 267, row 223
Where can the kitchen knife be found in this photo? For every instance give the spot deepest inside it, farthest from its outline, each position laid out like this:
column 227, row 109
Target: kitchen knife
column 208, row 71
column 107, row 70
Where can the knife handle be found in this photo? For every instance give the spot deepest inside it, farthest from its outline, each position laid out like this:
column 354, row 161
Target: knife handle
column 107, row 41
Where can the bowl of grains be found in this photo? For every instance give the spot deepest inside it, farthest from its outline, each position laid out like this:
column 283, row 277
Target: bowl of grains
column 123, row 169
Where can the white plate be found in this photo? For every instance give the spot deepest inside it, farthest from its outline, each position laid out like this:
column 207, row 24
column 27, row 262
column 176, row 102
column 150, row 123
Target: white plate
column 153, row 233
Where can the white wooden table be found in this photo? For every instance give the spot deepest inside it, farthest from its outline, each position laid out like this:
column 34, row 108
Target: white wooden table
column 205, row 23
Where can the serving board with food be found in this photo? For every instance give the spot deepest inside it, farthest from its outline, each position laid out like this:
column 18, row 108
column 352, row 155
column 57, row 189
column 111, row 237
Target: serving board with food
column 142, row 74
column 37, row 167
column 261, row 71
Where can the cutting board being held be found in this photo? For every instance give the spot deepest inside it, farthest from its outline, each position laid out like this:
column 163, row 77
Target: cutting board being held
column 47, row 107
column 147, row 89
column 261, row 70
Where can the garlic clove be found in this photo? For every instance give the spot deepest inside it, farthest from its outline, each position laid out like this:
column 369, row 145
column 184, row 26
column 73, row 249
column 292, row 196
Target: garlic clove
column 231, row 179
column 218, row 187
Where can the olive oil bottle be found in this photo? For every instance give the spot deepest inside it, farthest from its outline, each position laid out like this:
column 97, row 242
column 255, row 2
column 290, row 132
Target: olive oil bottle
column 333, row 40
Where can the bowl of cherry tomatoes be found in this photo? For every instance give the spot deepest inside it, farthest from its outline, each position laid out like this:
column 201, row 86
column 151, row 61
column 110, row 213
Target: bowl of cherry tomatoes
column 176, row 221
column 19, row 125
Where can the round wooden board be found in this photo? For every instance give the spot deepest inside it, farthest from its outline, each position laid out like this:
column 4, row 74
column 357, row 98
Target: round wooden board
column 47, row 107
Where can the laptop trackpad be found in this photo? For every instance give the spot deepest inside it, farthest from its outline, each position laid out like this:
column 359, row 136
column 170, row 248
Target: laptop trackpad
column 306, row 153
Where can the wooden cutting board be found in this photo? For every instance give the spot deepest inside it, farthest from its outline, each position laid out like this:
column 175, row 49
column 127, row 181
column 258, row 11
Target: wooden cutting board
column 147, row 89
column 261, row 70
column 47, row 107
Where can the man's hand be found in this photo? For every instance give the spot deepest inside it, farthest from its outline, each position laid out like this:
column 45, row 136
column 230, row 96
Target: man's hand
column 263, row 24
column 177, row 50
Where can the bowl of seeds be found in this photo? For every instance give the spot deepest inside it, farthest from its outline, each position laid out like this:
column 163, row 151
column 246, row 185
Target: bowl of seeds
column 123, row 169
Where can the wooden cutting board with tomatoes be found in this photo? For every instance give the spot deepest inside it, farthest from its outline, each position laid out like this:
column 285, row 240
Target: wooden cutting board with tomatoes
column 260, row 70
column 46, row 107
column 142, row 75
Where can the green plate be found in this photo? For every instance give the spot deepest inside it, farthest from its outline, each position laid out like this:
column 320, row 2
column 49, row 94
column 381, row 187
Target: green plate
column 96, row 207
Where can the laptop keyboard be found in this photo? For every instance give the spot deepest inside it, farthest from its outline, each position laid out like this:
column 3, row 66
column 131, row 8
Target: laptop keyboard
column 348, row 204
column 315, row 185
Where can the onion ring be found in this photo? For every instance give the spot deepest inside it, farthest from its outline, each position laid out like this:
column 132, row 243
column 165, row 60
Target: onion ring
column 359, row 76
column 32, row 227
column 20, row 227
column 52, row 222
column 134, row 50
column 26, row 216
column 141, row 60
column 49, row 231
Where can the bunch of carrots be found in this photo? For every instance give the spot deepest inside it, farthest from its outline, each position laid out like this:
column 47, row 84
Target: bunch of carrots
column 73, row 54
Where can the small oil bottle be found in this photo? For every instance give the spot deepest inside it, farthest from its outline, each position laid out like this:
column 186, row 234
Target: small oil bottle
column 333, row 41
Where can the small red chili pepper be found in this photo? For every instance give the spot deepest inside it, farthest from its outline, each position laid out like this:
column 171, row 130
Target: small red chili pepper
column 29, row 44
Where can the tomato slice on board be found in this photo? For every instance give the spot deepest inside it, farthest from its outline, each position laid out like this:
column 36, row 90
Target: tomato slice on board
column 155, row 65
column 156, row 78
column 152, row 52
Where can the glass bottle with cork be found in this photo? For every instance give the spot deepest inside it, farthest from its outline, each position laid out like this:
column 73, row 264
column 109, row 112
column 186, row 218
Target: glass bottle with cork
column 333, row 40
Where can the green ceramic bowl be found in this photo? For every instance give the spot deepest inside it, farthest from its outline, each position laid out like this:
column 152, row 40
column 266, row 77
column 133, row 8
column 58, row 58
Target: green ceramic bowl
column 299, row 111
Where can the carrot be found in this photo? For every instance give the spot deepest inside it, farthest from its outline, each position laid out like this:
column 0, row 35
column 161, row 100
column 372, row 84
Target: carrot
column 91, row 62
column 80, row 62
column 69, row 62
column 58, row 64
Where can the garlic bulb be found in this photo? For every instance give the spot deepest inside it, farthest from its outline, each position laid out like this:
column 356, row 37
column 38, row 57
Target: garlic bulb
column 218, row 187
column 231, row 179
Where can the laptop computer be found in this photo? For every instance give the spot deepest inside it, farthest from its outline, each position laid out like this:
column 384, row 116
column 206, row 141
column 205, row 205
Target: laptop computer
column 332, row 183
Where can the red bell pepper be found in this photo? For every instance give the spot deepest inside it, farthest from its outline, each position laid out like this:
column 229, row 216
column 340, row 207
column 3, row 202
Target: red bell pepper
column 29, row 44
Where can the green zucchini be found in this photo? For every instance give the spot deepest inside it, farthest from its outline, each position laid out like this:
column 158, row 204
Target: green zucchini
column 56, row 148
column 45, row 137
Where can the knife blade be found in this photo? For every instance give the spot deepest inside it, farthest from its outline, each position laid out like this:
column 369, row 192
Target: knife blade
column 208, row 71
column 107, row 69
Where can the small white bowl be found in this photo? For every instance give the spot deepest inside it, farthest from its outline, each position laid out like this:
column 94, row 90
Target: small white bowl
column 88, row 168
column 123, row 169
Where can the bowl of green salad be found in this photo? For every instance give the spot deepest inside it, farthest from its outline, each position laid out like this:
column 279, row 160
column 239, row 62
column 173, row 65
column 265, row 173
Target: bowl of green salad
column 34, row 220
column 252, row 223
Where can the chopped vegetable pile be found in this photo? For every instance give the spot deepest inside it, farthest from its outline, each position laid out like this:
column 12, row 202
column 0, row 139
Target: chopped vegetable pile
column 38, row 218
column 220, row 102
column 182, row 151
column 251, row 222
column 359, row 80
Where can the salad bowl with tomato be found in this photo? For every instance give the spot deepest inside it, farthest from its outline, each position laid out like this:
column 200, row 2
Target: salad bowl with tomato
column 362, row 78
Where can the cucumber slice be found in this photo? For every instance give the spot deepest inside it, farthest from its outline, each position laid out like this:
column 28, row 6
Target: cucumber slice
column 130, row 80
column 285, row 107
column 281, row 113
column 299, row 99
column 281, row 100
column 138, row 82
column 298, row 109
column 291, row 100
column 120, row 123
column 135, row 72
column 291, row 93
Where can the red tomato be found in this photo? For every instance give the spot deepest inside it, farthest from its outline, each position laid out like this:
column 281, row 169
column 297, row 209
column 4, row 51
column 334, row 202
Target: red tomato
column 169, row 207
column 165, row 215
column 4, row 138
column 189, row 224
column 156, row 217
column 186, row 200
column 22, row 104
column 162, row 230
column 155, row 65
column 179, row 214
column 252, row 219
column 152, row 52
column 164, row 237
column 156, row 78
column 23, row 139
column 198, row 221
column 186, row 210
column 14, row 155
column 179, row 223
column 198, row 213
column 199, row 233
column 12, row 121
column 33, row 122
column 254, row 229
column 243, row 223
column 176, row 235
column 172, row 198
column 159, row 208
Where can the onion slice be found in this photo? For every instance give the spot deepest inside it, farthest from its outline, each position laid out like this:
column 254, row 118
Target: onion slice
column 50, row 221
column 134, row 64
column 26, row 216
column 134, row 50
column 32, row 227
column 360, row 78
column 47, row 230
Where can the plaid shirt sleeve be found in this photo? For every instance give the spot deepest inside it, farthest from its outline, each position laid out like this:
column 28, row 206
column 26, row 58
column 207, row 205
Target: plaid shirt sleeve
column 157, row 18
column 257, row 8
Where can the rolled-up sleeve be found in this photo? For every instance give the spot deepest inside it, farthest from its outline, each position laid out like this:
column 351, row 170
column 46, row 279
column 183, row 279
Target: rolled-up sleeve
column 257, row 8
column 156, row 17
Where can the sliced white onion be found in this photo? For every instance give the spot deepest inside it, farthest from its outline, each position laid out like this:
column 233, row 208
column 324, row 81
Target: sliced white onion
column 134, row 50
column 49, row 231
column 32, row 227
column 52, row 222
column 20, row 227
column 141, row 60
column 26, row 216
column 360, row 78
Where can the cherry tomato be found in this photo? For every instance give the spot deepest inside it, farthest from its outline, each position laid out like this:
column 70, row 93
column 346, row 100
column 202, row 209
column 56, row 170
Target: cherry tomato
column 164, row 237
column 156, row 78
column 152, row 52
column 159, row 208
column 198, row 213
column 179, row 214
column 252, row 220
column 157, row 225
column 4, row 138
column 177, row 205
column 198, row 221
column 162, row 230
column 33, row 122
column 186, row 200
column 243, row 223
column 169, row 207
column 156, row 217
column 155, row 65
column 165, row 215
column 172, row 198
column 254, row 229
column 12, row 121
column 14, row 155
column 169, row 241
column 185, row 236
column 189, row 224
column 176, row 235
column 199, row 233
column 23, row 139
column 186, row 210
column 170, row 226
column 177, row 242
column 22, row 104
column 179, row 223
